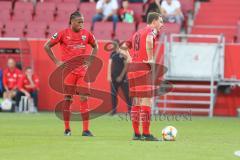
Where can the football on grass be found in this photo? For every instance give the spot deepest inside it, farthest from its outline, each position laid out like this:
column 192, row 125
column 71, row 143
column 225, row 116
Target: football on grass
column 169, row 133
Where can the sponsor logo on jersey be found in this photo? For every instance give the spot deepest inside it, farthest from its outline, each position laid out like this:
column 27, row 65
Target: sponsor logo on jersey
column 55, row 36
column 84, row 37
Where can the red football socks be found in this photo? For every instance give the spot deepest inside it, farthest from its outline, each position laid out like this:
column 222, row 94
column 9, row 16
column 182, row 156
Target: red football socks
column 145, row 118
column 85, row 114
column 135, row 116
column 66, row 113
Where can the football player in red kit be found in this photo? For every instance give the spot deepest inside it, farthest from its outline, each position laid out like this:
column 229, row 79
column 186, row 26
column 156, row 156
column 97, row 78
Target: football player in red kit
column 143, row 43
column 11, row 76
column 73, row 42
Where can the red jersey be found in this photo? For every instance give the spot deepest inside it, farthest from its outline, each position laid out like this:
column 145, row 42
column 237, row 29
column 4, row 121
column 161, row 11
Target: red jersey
column 24, row 81
column 138, row 43
column 73, row 43
column 11, row 78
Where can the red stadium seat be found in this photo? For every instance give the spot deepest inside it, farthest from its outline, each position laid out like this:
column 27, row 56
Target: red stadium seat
column 171, row 28
column 63, row 16
column 168, row 27
column 187, row 6
column 64, row 11
column 56, row 27
column 71, row 1
column 1, row 28
column 5, row 5
column 22, row 15
column 14, row 29
column 55, row 1
column 23, row 11
column 238, row 32
column 124, row 30
column 45, row 12
column 217, row 17
column 103, row 30
column 5, row 15
column 46, row 6
column 67, row 6
column 88, row 10
column 229, row 32
column 210, row 13
column 87, row 26
column 227, row 18
column 142, row 25
column 36, row 30
column 23, row 6
column 61, row 1
column 138, row 11
column 220, row 3
column 48, row 16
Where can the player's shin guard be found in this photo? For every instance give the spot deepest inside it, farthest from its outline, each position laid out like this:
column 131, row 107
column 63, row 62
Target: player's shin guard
column 135, row 116
column 85, row 115
column 66, row 113
column 145, row 118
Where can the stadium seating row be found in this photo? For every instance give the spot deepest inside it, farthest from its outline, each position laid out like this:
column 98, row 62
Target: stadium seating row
column 218, row 17
column 102, row 30
column 49, row 17
column 58, row 10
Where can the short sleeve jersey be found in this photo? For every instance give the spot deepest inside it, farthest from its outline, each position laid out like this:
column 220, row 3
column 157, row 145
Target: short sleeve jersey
column 138, row 43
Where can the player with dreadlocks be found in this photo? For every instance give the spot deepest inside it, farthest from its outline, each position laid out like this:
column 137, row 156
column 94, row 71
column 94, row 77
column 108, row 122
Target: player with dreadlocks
column 73, row 42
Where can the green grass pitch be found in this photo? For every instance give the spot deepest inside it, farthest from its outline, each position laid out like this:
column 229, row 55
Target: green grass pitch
column 40, row 137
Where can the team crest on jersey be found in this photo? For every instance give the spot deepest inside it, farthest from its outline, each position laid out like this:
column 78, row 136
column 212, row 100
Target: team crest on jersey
column 84, row 38
column 55, row 35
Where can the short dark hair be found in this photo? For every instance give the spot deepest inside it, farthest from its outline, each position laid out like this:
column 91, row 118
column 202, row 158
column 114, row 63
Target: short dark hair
column 152, row 16
column 75, row 15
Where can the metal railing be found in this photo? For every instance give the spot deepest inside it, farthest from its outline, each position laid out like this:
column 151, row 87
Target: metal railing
column 216, row 64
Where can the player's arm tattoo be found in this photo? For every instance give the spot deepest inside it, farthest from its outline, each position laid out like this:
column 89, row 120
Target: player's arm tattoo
column 48, row 48
column 149, row 47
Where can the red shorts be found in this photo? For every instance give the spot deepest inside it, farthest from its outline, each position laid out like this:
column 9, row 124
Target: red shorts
column 75, row 84
column 139, row 84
